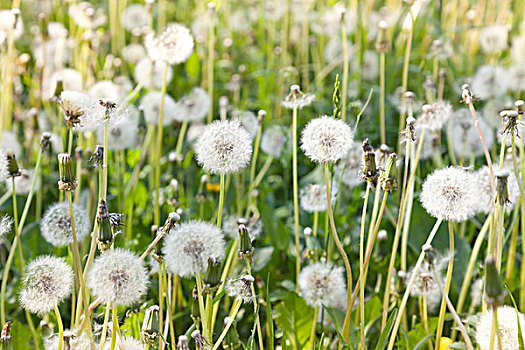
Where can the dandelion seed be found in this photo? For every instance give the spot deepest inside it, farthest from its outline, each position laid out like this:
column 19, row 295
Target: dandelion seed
column 150, row 104
column 174, row 45
column 450, row 194
column 326, row 140
column 508, row 329
column 224, row 147
column 240, row 288
column 322, row 284
column 47, row 281
column 56, row 224
column 192, row 107
column 188, row 246
column 3, row 166
column 118, row 277
column 5, row 225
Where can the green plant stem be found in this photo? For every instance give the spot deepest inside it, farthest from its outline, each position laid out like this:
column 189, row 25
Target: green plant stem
column 158, row 151
column 448, row 281
column 221, row 201
column 314, row 326
column 424, row 316
column 251, row 187
column 296, row 200
column 17, row 231
column 210, row 67
column 225, row 271
column 60, row 328
column 161, row 302
column 344, row 91
column 204, row 322
column 410, row 284
column 235, row 309
column 258, row 321
column 180, row 140
column 346, row 324
column 115, row 328
column 382, row 74
column 105, row 326
column 361, row 265
column 105, row 165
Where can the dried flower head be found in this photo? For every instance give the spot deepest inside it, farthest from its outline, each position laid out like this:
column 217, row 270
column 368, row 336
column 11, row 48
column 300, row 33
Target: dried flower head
column 150, row 104
column 56, row 224
column 434, row 116
column 5, row 225
column 47, row 281
column 188, row 246
column 231, row 227
column 240, row 288
column 174, row 45
column 74, row 105
column 193, row 106
column 273, row 140
column 508, row 329
column 224, row 147
column 322, row 284
column 297, row 99
column 118, row 277
column 450, row 194
column 326, row 140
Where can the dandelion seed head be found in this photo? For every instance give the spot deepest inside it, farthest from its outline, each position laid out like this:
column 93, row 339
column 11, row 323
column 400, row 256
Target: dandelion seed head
column 465, row 136
column 231, row 227
column 516, row 75
column 508, row 329
column 353, row 165
column 240, row 288
column 134, row 16
column 174, row 45
column 248, row 120
column 224, row 147
column 486, row 197
column 129, row 343
column 188, row 246
column 47, row 281
column 125, row 135
column 493, row 39
column 105, row 90
column 313, row 198
column 5, row 225
column 3, row 166
column 151, row 73
column 134, row 53
column 192, row 107
column 10, row 141
column 71, row 80
column 150, row 104
column 326, row 140
column 56, row 224
column 435, row 116
column 321, row 284
column 300, row 101
column 370, row 67
column 450, row 194
column 273, row 140
column 118, row 277
column 489, row 82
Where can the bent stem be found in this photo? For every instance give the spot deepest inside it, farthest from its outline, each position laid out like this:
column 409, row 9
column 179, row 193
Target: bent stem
column 346, row 324
column 236, row 306
column 411, row 283
column 60, row 328
column 448, row 281
column 105, row 326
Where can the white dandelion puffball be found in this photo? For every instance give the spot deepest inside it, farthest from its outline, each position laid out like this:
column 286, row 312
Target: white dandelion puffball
column 273, row 140
column 174, row 45
column 10, row 141
column 298, row 102
column 3, row 166
column 508, row 329
column 7, row 22
column 489, row 82
column 81, row 342
column 123, row 136
column 465, row 136
column 71, row 79
column 47, row 281
column 493, row 39
column 426, row 284
column 134, row 53
column 313, row 198
column 517, row 76
column 134, row 16
column 450, row 194
column 150, row 104
column 326, row 140
column 118, row 277
column 353, row 166
column 486, row 197
column 98, row 115
column 5, row 225
column 224, row 147
column 240, row 289
column 188, row 246
column 105, row 90
column 231, row 227
column 23, row 182
column 476, row 291
column 333, row 50
column 56, row 224
column 129, row 343
column 248, row 120
column 370, row 68
column 151, row 74
column 192, row 107
column 435, row 116
column 194, row 131
column 321, row 284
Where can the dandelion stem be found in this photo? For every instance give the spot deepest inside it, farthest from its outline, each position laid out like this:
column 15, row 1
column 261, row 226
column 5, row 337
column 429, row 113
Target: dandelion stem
column 344, row 92
column 115, row 329
column 295, row 198
column 221, row 201
column 180, row 140
column 361, row 264
column 382, row 97
column 235, row 308
column 105, row 326
column 346, row 324
column 60, row 328
column 314, row 326
column 448, row 281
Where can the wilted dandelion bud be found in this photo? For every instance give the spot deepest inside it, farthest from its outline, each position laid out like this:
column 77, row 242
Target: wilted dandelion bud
column 47, row 281
column 519, row 106
column 56, row 224
column 170, row 222
column 370, row 171
column 174, row 45
column 212, row 277
column 494, row 290
column 326, row 139
column 261, row 114
column 188, row 246
column 410, row 131
column 466, row 94
column 231, row 340
column 182, row 344
column 195, row 310
column 97, row 156
column 105, row 235
column 5, row 336
column 240, row 288
column 450, row 194
column 118, row 277
column 508, row 331
column 66, row 168
column 200, row 342
column 45, row 141
column 501, row 188
column 151, row 325
column 388, row 176
column 245, row 243
column 74, row 105
column 12, row 165
column 322, row 284
column 5, row 225
column 224, row 147
column 510, row 122
column 297, row 99
column 382, row 45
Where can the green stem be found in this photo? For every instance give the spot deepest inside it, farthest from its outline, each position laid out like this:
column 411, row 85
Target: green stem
column 235, row 308
column 361, row 264
column 314, row 326
column 448, row 281
column 60, row 328
column 104, row 326
column 221, row 201
column 344, row 92
column 382, row 97
column 115, row 332
column 296, row 199
column 180, row 140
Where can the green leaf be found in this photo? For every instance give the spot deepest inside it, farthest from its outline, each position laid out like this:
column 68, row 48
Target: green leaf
column 520, row 332
column 295, row 319
column 20, row 336
column 262, row 257
column 336, row 326
column 385, row 335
